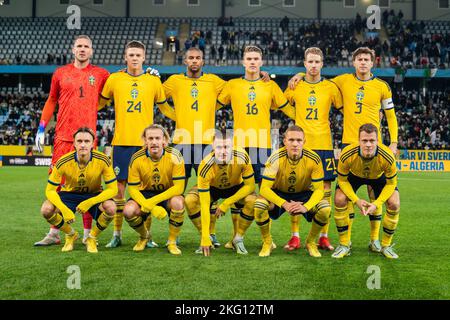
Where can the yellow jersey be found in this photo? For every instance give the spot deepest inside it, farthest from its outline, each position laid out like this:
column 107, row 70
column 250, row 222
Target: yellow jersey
column 158, row 175
column 383, row 163
column 351, row 161
column 292, row 177
column 312, row 103
column 285, row 175
column 82, row 180
column 363, row 101
column 195, row 106
column 224, row 176
column 251, row 102
column 134, row 99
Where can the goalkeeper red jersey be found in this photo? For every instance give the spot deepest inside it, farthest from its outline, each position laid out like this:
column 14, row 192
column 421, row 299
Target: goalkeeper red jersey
column 76, row 92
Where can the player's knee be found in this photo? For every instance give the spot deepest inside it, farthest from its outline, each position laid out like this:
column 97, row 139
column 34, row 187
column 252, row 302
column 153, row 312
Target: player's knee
column 340, row 199
column 261, row 206
column 129, row 211
column 249, row 203
column 47, row 210
column 192, row 203
column 177, row 203
column 393, row 205
column 109, row 208
column 324, row 212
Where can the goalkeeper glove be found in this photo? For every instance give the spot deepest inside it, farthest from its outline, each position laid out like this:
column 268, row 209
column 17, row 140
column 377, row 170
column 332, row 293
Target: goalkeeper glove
column 40, row 136
column 153, row 72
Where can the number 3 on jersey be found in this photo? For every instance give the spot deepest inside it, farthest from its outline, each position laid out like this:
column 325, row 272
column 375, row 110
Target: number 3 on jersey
column 134, row 107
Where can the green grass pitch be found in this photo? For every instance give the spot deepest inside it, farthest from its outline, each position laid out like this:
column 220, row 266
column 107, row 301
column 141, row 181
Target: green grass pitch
column 421, row 272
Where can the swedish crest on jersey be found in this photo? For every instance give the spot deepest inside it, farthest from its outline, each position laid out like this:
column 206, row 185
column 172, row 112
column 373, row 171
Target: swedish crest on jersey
column 194, row 92
column 134, row 93
column 312, row 100
column 360, row 94
column 252, row 94
column 91, row 80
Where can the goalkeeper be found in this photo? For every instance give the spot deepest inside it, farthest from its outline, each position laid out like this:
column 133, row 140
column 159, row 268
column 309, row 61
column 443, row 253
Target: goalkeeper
column 156, row 178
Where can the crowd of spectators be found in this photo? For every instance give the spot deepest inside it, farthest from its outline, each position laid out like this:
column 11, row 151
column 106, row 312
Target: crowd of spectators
column 423, row 120
column 408, row 45
column 412, row 45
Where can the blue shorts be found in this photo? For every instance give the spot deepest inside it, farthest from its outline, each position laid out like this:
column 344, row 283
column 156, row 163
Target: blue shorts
column 328, row 163
column 121, row 156
column 259, row 157
column 217, row 194
column 149, row 193
column 193, row 155
column 376, row 184
column 72, row 200
column 304, row 196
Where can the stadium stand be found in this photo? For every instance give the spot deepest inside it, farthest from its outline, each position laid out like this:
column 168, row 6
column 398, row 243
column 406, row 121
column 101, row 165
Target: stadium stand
column 411, row 44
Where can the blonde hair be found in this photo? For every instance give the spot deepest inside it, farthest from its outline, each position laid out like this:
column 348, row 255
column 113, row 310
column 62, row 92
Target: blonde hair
column 314, row 50
column 252, row 48
column 157, row 126
column 82, row 36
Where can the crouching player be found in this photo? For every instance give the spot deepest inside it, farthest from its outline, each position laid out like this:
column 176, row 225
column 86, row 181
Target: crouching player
column 293, row 182
column 371, row 163
column 226, row 173
column 156, row 183
column 83, row 170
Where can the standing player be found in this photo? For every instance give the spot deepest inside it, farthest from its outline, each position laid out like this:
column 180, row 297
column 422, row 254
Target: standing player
column 134, row 92
column 156, row 176
column 293, row 182
column 226, row 173
column 194, row 95
column 313, row 98
column 75, row 88
column 371, row 163
column 251, row 101
column 364, row 96
column 83, row 170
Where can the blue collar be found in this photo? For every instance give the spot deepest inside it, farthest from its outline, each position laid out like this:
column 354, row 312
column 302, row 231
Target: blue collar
column 186, row 75
column 76, row 158
column 360, row 154
column 251, row 80
column 321, row 79
column 126, row 71
column 371, row 78
column 148, row 155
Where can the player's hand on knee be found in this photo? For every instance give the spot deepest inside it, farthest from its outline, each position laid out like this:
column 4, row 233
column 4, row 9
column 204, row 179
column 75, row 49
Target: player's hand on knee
column 153, row 72
column 159, row 212
column 68, row 216
column 219, row 212
column 84, row 206
column 362, row 205
column 371, row 209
